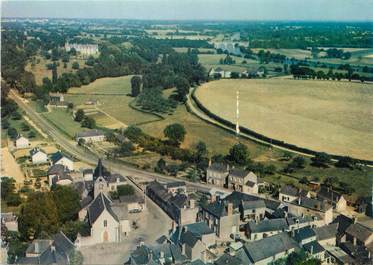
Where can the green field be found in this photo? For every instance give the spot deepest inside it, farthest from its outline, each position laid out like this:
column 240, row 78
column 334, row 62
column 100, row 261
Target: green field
column 62, row 119
column 335, row 117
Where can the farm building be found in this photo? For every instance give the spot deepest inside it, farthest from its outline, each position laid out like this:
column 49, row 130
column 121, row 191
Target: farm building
column 57, row 100
column 21, row 142
column 91, row 136
column 38, row 156
column 60, row 159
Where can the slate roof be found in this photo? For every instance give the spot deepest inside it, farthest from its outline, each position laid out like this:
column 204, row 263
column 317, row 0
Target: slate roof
column 57, row 156
column 199, row 228
column 343, row 223
column 90, row 133
column 131, row 199
column 55, row 251
column 196, row 262
column 361, row 232
column 303, row 233
column 270, row 246
column 313, row 204
column 87, row 171
column 228, row 259
column 238, row 172
column 237, row 197
column 99, row 204
column 327, row 194
column 326, row 232
column 216, row 208
column 289, row 190
column 249, row 205
column 141, row 255
column 267, row 225
column 36, row 150
column 112, row 178
column 188, row 238
column 219, row 167
column 57, row 170
column 313, row 247
column 300, row 220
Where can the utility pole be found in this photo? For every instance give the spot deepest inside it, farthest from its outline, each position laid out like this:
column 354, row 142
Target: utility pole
column 237, row 114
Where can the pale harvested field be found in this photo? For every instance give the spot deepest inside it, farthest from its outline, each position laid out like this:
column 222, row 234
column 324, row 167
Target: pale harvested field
column 10, row 168
column 335, row 117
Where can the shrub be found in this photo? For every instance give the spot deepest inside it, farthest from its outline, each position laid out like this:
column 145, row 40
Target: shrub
column 125, row 190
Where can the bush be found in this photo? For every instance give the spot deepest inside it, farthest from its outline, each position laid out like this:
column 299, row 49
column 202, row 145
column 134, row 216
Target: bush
column 125, row 190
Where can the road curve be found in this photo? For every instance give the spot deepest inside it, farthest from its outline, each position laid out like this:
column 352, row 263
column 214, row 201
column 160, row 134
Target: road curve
column 71, row 147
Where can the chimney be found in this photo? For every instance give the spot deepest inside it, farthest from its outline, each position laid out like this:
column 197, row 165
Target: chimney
column 311, row 249
column 53, row 248
column 229, row 209
column 192, row 203
column 213, row 198
column 299, row 201
column 354, row 219
column 210, row 162
column 37, row 247
column 161, row 254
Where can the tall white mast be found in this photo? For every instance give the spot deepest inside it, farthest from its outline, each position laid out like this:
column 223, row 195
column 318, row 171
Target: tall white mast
column 237, row 113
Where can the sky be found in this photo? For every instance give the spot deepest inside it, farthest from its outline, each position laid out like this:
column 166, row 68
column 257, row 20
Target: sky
column 324, row 10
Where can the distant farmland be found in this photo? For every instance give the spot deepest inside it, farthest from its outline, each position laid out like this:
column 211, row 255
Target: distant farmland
column 335, row 117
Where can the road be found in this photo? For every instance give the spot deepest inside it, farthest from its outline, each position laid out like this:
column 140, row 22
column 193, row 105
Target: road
column 71, row 147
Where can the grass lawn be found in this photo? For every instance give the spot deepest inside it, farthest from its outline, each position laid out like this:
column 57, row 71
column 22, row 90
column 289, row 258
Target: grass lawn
column 63, row 120
column 18, row 124
column 329, row 116
column 108, row 85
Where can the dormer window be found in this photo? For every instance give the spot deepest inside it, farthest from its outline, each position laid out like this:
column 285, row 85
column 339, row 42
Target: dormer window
column 105, row 223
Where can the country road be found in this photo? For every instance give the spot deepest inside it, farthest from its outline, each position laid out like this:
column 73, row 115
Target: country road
column 71, row 147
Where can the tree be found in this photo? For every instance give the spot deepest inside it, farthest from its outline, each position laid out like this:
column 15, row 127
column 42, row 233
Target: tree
column 161, row 166
column 346, row 162
column 5, row 124
column 70, row 105
column 88, row 122
column 193, row 174
column 76, row 258
column 321, row 160
column 201, row 150
column 135, row 86
column 67, row 200
column 7, row 187
column 39, row 214
column 79, row 115
column 239, row 154
column 182, row 88
column 175, row 133
column 12, row 132
column 16, row 248
column 299, row 162
column 125, row 190
column 31, row 134
column 126, row 148
column 75, row 65
column 54, row 73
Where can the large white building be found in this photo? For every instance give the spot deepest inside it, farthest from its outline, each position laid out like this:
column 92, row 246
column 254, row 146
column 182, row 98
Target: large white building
column 60, row 159
column 38, row 156
column 84, row 49
column 21, row 142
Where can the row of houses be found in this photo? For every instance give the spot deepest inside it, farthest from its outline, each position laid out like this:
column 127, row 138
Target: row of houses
column 218, row 72
column 221, row 175
column 272, row 231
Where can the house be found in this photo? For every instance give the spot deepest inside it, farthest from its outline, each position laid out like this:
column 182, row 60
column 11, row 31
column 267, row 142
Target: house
column 10, row 221
column 157, row 255
column 360, row 235
column 59, row 175
column 56, row 250
column 327, row 235
column 221, row 217
column 59, row 158
column 91, row 136
column 243, row 181
column 265, row 228
column 57, row 100
column 38, row 156
column 219, row 73
column 105, row 225
column 84, row 49
column 217, row 174
column 21, row 142
column 179, row 207
column 268, row 249
column 253, row 210
column 288, row 193
column 334, row 198
column 194, row 240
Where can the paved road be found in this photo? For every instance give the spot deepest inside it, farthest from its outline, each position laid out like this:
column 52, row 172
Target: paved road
column 71, row 147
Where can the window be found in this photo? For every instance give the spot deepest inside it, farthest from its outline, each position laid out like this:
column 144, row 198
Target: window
column 105, row 223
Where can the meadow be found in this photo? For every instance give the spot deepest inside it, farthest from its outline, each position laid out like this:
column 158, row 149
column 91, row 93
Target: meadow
column 329, row 116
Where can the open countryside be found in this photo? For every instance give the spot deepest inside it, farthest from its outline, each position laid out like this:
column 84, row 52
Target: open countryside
column 325, row 116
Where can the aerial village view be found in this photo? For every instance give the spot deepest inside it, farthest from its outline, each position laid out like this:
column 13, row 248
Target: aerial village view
column 188, row 132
